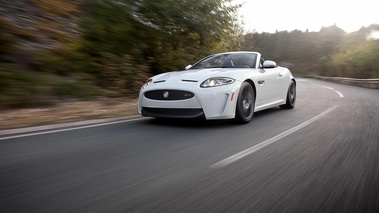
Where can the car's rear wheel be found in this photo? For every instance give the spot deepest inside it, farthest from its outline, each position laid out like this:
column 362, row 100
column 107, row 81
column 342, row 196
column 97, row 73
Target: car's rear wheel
column 245, row 103
column 291, row 97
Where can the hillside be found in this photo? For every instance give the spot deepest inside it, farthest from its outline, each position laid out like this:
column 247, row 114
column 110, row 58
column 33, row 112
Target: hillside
column 34, row 37
column 40, row 24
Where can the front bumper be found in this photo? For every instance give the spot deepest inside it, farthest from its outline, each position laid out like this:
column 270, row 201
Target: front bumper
column 211, row 103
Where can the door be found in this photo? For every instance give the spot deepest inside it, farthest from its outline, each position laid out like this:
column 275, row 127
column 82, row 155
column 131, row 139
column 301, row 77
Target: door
column 272, row 87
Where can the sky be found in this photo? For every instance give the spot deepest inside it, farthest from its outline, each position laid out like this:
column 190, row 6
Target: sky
column 271, row 15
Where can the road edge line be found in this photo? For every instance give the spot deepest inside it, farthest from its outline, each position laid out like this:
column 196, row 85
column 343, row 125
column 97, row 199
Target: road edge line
column 83, row 125
column 267, row 142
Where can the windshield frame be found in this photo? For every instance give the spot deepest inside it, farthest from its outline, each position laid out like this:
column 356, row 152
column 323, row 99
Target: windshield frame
column 236, row 60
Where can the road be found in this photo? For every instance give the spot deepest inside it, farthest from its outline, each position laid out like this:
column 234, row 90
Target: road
column 322, row 156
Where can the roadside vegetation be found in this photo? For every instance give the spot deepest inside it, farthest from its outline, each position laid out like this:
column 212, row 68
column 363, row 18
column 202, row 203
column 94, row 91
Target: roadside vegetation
column 80, row 50
column 329, row 52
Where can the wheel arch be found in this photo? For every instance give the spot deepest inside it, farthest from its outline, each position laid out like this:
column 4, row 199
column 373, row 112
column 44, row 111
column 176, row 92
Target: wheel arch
column 252, row 85
column 294, row 81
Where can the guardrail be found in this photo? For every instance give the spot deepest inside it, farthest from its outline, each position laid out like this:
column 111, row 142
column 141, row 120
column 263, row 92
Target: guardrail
column 367, row 83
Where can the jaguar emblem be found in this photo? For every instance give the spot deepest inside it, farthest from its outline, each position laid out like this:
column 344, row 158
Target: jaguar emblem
column 165, row 94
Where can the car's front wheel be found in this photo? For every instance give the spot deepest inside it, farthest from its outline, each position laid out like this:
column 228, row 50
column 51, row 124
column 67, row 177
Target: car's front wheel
column 245, row 103
column 291, row 97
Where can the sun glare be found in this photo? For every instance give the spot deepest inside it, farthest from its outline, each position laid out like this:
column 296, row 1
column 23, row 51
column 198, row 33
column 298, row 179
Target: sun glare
column 273, row 15
column 374, row 35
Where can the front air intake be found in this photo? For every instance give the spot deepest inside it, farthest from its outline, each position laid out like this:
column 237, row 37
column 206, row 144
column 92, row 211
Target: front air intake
column 168, row 95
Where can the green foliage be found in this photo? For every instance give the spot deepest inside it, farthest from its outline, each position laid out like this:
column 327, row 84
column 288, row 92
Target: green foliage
column 157, row 29
column 121, row 44
column 65, row 62
column 329, row 52
column 328, row 40
column 108, row 27
column 20, row 88
column 74, row 89
column 356, row 55
column 209, row 19
column 360, row 61
column 119, row 73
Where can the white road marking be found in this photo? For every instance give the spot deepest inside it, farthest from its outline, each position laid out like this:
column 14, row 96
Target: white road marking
column 69, row 129
column 265, row 143
column 340, row 94
column 328, row 87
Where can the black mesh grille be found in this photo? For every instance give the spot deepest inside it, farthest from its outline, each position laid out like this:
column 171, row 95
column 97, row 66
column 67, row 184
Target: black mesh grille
column 172, row 113
column 169, row 95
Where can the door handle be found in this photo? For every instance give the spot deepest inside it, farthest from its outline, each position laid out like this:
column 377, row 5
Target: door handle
column 280, row 74
column 261, row 82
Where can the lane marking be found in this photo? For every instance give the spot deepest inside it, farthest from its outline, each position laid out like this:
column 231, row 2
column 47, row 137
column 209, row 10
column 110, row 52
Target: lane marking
column 265, row 143
column 328, row 87
column 340, row 94
column 69, row 129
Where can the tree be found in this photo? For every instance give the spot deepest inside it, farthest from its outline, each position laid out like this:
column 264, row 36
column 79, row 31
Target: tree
column 166, row 30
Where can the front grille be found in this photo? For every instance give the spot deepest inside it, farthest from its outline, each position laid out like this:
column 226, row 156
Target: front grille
column 169, row 95
column 172, row 113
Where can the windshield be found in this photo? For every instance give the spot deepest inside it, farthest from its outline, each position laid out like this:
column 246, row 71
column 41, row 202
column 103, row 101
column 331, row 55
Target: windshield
column 228, row 60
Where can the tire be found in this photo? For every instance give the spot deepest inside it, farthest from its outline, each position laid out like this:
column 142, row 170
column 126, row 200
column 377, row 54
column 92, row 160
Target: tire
column 291, row 97
column 245, row 104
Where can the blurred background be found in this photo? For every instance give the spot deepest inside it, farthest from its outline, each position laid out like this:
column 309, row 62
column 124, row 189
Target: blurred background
column 73, row 60
column 59, row 50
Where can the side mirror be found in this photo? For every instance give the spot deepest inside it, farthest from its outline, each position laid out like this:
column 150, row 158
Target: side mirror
column 269, row 64
column 188, row 67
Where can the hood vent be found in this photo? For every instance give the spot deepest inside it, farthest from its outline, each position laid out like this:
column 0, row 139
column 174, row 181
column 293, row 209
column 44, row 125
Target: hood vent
column 161, row 81
column 194, row 81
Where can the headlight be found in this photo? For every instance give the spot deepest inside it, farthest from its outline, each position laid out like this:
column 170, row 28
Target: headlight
column 215, row 82
column 147, row 82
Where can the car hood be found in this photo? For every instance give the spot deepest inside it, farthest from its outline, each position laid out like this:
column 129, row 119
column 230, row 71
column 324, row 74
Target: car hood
column 199, row 75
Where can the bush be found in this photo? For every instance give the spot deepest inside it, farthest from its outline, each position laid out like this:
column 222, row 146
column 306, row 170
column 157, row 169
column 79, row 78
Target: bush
column 65, row 62
column 121, row 74
column 19, row 88
column 74, row 89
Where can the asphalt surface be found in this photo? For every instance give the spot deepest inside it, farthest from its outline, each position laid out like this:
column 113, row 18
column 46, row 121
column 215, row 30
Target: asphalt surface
column 322, row 156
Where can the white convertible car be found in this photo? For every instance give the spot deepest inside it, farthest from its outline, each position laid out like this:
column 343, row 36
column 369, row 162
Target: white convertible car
column 230, row 85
